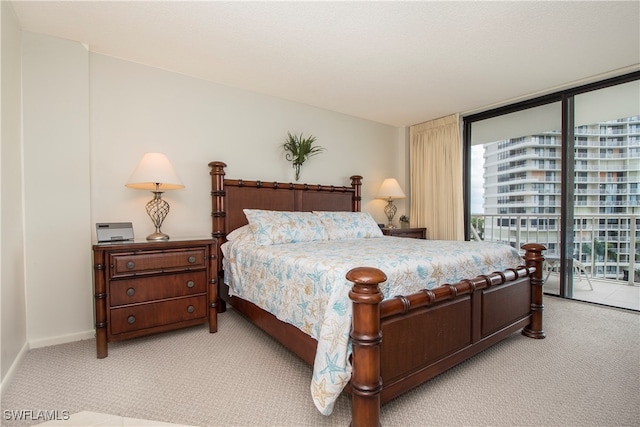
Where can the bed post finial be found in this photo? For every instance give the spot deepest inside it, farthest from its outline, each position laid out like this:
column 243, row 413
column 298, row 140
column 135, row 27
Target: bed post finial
column 533, row 258
column 356, row 184
column 366, row 336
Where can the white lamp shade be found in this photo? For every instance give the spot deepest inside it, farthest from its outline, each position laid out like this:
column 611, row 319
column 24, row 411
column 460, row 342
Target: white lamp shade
column 154, row 168
column 390, row 189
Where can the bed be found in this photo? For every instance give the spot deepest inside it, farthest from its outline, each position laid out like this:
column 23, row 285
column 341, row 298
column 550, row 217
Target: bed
column 393, row 342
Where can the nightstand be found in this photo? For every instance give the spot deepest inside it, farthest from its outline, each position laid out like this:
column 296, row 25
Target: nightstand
column 143, row 288
column 414, row 233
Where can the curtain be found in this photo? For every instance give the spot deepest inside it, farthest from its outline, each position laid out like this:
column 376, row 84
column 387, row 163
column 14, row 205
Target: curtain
column 435, row 154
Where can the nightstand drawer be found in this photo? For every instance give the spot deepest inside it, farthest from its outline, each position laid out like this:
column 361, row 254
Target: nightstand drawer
column 153, row 262
column 129, row 291
column 142, row 316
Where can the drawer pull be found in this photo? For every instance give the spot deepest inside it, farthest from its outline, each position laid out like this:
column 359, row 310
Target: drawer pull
column 131, row 292
column 190, row 284
column 131, row 265
column 131, row 320
column 190, row 309
column 192, row 259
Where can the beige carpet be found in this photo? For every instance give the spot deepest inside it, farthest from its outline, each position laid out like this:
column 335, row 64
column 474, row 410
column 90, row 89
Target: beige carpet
column 585, row 373
column 96, row 419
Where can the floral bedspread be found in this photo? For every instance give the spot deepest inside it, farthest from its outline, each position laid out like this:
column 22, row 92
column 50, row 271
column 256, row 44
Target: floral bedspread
column 304, row 284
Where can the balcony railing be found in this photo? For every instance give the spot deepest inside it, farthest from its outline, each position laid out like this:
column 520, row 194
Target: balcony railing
column 607, row 245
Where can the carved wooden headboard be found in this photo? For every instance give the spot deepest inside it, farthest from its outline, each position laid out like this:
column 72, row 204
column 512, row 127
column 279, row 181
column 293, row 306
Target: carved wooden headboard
column 230, row 196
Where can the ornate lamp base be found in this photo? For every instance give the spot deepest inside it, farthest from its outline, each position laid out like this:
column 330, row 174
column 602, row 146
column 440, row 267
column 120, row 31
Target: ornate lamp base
column 390, row 211
column 157, row 209
column 158, row 235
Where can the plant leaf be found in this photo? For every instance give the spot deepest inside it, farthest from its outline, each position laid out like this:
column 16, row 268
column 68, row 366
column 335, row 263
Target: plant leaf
column 298, row 149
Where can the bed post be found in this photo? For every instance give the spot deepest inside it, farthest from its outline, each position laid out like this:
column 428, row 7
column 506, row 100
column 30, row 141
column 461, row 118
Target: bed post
column 366, row 336
column 533, row 258
column 356, row 184
column 218, row 219
column 218, row 194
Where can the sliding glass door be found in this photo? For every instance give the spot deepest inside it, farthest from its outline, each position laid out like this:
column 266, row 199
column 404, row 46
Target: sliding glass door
column 563, row 170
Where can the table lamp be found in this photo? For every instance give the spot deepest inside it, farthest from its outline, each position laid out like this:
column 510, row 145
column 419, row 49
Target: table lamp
column 390, row 190
column 155, row 173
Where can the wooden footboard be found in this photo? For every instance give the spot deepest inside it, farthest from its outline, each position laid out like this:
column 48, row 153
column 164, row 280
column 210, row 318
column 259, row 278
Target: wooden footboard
column 402, row 342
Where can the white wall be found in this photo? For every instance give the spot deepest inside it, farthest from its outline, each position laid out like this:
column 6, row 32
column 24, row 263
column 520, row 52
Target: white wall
column 89, row 118
column 56, row 189
column 135, row 109
column 13, row 319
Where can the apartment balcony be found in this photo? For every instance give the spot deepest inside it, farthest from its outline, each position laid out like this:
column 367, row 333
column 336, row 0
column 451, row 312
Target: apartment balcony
column 608, row 292
column 606, row 247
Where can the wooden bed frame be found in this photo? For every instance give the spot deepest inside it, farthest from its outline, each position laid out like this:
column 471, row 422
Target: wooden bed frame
column 401, row 342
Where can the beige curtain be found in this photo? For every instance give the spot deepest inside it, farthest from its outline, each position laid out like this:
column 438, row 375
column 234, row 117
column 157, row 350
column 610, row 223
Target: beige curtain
column 435, row 154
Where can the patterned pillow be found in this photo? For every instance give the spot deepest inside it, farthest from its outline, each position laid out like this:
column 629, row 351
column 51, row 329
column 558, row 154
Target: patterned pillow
column 349, row 225
column 276, row 227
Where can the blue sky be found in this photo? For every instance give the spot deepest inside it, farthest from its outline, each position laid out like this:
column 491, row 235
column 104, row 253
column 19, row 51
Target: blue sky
column 477, row 181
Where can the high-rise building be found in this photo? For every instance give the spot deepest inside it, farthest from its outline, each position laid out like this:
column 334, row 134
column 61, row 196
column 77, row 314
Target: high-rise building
column 522, row 188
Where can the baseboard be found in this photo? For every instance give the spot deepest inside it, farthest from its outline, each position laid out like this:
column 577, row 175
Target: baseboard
column 62, row 339
column 13, row 369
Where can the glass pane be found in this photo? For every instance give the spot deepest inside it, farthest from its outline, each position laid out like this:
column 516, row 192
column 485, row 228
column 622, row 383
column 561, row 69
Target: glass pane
column 515, row 179
column 606, row 198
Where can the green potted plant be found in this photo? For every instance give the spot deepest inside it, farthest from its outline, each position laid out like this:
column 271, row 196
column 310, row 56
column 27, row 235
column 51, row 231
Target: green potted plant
column 297, row 149
column 404, row 221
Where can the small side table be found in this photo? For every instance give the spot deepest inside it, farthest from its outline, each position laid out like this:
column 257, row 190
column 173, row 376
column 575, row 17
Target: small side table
column 413, row 233
column 142, row 287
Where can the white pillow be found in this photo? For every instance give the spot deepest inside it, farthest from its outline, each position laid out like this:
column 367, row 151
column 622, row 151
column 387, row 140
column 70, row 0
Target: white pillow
column 238, row 233
column 277, row 227
column 349, row 225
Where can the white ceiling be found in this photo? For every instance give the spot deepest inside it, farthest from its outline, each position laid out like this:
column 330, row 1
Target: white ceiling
column 398, row 63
